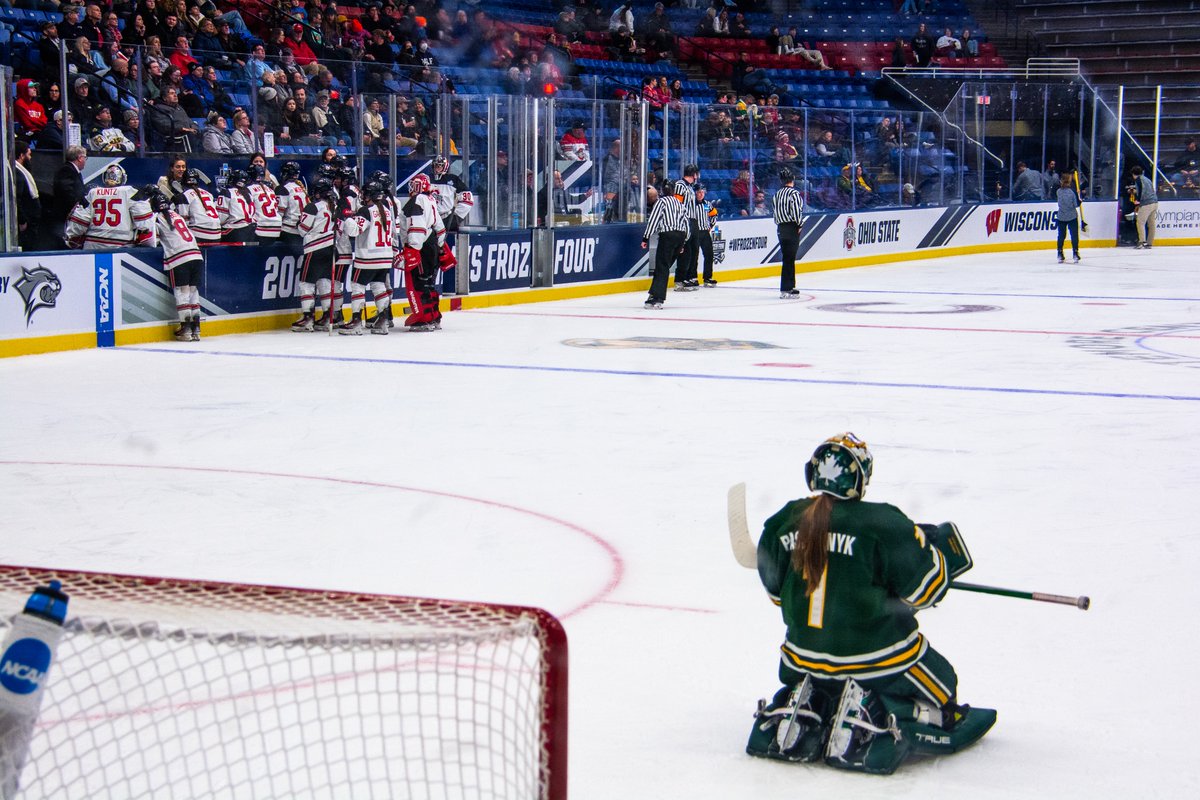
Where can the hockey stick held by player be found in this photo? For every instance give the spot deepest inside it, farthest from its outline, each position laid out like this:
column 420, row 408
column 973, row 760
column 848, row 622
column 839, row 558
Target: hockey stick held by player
column 862, row 687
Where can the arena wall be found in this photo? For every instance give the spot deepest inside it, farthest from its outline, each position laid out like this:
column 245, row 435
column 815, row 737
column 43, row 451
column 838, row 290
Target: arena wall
column 65, row 301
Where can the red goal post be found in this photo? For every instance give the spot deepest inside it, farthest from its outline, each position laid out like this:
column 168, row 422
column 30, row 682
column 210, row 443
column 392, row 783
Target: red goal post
column 170, row 687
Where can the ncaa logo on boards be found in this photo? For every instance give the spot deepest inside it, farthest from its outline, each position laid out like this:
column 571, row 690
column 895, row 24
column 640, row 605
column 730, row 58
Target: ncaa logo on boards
column 718, row 243
column 992, row 221
column 39, row 288
column 848, row 239
column 24, row 666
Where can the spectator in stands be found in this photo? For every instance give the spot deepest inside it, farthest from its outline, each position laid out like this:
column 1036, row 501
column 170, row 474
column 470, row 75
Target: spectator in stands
column 82, row 60
column 29, row 114
column 49, row 47
column 887, row 138
column 91, row 24
column 208, row 48
column 909, row 196
column 721, row 24
column 372, row 121
column 567, row 26
column 111, row 31
column 909, row 8
column 899, row 56
column 52, row 136
column 574, row 143
column 739, row 28
column 326, row 120
column 812, row 55
column 828, row 149
column 171, row 123
column 656, row 30
column 621, row 18
column 785, row 151
column 182, row 56
column 948, row 46
column 708, row 23
column 714, row 137
column 970, row 46
column 594, row 19
column 306, row 58
column 760, row 207
column 135, row 32
column 922, row 46
column 758, row 82
column 243, row 139
column 195, row 96
column 105, row 137
column 739, row 189
column 82, row 105
column 215, row 138
column 737, row 73
column 69, row 191
column 131, row 125
column 1027, row 186
column 153, row 54
column 1050, row 181
column 69, row 28
column 29, row 203
column 612, row 171
column 117, row 88
column 1187, row 168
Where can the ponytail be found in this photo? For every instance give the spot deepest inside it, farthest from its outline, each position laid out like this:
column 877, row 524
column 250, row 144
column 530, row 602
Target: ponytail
column 811, row 553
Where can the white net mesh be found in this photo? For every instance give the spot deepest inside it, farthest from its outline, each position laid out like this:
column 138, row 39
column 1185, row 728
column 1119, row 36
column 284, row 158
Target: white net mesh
column 175, row 689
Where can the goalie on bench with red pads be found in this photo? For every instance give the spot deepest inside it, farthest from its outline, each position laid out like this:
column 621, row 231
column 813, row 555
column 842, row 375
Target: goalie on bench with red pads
column 863, row 689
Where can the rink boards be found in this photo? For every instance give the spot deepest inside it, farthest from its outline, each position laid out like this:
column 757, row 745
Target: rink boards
column 62, row 301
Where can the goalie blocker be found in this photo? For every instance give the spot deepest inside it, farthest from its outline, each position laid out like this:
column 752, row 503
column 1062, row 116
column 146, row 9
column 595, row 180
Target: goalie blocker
column 863, row 689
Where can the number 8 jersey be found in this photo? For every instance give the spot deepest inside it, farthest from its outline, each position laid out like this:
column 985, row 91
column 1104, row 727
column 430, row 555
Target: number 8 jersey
column 109, row 218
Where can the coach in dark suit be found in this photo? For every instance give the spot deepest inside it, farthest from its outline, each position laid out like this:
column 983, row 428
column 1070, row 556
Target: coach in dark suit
column 68, row 192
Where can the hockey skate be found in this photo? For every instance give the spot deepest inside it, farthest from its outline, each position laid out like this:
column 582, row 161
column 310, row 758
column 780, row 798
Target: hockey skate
column 790, row 728
column 863, row 736
column 196, row 329
column 353, row 328
column 1075, row 259
column 709, row 282
column 789, row 294
column 321, row 324
column 184, row 332
column 653, row 304
column 942, row 731
column 1061, row 260
column 304, row 324
column 380, row 325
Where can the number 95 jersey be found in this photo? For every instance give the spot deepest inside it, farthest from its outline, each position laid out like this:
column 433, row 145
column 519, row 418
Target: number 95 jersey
column 109, row 218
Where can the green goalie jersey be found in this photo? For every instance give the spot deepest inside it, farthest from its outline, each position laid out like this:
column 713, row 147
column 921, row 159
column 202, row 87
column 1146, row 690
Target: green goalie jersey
column 860, row 622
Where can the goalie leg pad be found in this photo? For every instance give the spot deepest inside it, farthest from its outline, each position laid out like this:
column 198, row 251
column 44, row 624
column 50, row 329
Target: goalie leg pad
column 946, row 730
column 863, row 736
column 792, row 726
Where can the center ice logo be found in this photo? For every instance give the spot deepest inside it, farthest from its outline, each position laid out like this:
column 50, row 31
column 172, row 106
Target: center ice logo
column 24, row 665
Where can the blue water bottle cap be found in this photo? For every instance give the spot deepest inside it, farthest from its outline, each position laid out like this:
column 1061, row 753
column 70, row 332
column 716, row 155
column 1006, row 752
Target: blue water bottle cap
column 48, row 603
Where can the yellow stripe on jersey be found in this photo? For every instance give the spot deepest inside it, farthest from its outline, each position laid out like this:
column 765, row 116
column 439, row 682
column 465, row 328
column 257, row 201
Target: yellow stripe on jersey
column 906, row 655
column 936, row 578
column 926, row 680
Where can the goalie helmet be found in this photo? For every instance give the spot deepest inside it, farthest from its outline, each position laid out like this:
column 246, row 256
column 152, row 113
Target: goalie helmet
column 113, row 175
column 418, row 184
column 290, row 171
column 441, row 165
column 840, row 466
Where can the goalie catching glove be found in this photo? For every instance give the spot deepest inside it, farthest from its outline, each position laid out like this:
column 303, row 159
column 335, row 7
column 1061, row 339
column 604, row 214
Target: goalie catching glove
column 949, row 542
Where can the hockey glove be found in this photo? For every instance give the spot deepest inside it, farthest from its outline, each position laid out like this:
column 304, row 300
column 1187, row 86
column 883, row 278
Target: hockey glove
column 412, row 258
column 446, row 260
column 1083, row 225
column 947, row 539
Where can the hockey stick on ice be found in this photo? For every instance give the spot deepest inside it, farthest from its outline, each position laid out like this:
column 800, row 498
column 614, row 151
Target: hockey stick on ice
column 746, row 553
column 1078, row 194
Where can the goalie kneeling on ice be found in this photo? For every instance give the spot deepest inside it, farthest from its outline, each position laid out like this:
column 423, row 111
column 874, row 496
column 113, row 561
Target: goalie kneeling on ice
column 863, row 688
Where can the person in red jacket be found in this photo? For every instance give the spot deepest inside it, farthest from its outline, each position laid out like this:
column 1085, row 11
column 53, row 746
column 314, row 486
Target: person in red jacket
column 306, row 59
column 30, row 115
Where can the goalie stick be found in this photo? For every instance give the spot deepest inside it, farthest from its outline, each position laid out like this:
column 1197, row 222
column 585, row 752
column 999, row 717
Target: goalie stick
column 746, row 553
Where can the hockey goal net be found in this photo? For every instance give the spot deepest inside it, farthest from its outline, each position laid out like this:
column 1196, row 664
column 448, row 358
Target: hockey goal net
column 191, row 689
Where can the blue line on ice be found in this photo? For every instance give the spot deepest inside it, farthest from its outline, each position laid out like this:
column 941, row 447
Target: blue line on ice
column 648, row 374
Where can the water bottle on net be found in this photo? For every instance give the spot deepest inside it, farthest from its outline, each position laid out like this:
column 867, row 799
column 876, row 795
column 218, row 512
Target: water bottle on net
column 25, row 658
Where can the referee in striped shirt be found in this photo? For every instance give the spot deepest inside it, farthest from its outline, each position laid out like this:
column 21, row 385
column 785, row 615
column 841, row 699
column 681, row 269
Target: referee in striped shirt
column 685, row 191
column 669, row 221
column 789, row 219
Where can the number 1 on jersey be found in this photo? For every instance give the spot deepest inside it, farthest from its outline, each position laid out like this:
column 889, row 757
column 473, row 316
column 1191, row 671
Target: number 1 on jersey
column 816, row 603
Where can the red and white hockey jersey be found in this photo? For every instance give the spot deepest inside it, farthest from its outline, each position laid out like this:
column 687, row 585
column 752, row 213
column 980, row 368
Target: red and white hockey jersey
column 292, row 198
column 199, row 208
column 348, row 204
column 236, row 209
column 373, row 233
column 178, row 243
column 423, row 222
column 266, row 211
column 317, row 225
column 109, row 218
column 451, row 196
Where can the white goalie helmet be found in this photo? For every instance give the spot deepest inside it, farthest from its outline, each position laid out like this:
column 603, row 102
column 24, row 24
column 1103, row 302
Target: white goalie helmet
column 113, row 175
column 840, row 466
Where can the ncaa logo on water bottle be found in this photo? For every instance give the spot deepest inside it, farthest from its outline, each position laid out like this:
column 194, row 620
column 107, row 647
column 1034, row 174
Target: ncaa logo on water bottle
column 24, row 665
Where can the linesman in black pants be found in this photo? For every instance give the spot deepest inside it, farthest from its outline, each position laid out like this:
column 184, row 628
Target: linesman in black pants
column 789, row 220
column 685, row 192
column 704, row 234
column 669, row 221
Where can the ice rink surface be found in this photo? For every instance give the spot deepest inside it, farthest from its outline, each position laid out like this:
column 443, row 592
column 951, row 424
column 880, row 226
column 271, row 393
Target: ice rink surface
column 575, row 455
